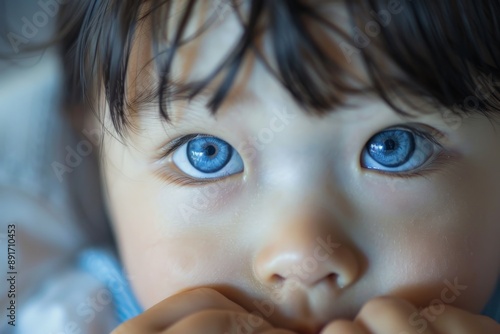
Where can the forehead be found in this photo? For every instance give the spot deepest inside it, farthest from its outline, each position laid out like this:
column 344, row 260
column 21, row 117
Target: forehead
column 412, row 54
column 220, row 28
column 213, row 36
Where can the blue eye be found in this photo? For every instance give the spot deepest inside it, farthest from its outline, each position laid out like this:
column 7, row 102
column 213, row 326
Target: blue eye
column 396, row 150
column 207, row 157
column 208, row 154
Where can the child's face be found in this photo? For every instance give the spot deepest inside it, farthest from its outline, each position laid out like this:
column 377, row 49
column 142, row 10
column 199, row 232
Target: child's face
column 297, row 214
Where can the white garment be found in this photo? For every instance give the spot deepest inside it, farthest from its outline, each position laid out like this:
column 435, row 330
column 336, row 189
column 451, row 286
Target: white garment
column 53, row 221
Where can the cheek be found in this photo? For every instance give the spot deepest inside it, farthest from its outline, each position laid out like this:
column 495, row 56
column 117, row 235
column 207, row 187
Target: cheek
column 438, row 234
column 169, row 266
column 424, row 267
column 423, row 234
column 172, row 239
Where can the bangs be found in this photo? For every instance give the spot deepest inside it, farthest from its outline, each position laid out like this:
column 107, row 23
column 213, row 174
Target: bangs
column 444, row 51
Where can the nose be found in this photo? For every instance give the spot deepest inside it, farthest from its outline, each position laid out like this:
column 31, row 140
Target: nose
column 306, row 246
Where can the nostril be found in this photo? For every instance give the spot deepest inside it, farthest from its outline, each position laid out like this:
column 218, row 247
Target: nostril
column 335, row 279
column 332, row 277
column 277, row 279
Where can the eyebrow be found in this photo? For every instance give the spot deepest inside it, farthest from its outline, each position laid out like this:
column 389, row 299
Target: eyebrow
column 146, row 104
column 180, row 90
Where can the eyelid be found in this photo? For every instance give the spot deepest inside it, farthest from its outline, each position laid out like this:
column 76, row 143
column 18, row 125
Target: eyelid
column 432, row 134
column 173, row 145
column 441, row 160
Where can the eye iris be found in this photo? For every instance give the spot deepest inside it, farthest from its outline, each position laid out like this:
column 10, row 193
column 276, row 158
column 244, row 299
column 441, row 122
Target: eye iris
column 208, row 154
column 392, row 148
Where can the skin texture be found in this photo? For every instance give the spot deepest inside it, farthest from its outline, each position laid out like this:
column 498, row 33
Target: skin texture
column 305, row 235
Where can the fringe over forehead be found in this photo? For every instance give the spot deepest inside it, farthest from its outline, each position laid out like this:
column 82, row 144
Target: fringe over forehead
column 448, row 51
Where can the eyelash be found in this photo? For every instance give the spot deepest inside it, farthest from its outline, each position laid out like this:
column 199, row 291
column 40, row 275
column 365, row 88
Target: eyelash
column 180, row 179
column 436, row 164
column 187, row 181
column 441, row 160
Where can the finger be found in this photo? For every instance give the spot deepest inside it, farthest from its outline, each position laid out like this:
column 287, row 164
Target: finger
column 172, row 309
column 450, row 319
column 391, row 315
column 218, row 322
column 491, row 326
column 343, row 327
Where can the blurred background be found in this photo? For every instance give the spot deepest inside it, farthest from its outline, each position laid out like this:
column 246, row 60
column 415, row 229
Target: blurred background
column 56, row 212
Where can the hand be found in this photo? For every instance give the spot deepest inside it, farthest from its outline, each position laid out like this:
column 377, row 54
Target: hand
column 198, row 311
column 390, row 315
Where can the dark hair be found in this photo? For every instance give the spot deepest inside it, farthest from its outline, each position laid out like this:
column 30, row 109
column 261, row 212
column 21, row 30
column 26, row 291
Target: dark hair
column 447, row 51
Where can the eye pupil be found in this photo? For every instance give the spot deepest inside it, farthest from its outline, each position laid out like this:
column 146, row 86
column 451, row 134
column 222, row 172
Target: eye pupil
column 390, row 145
column 210, row 150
